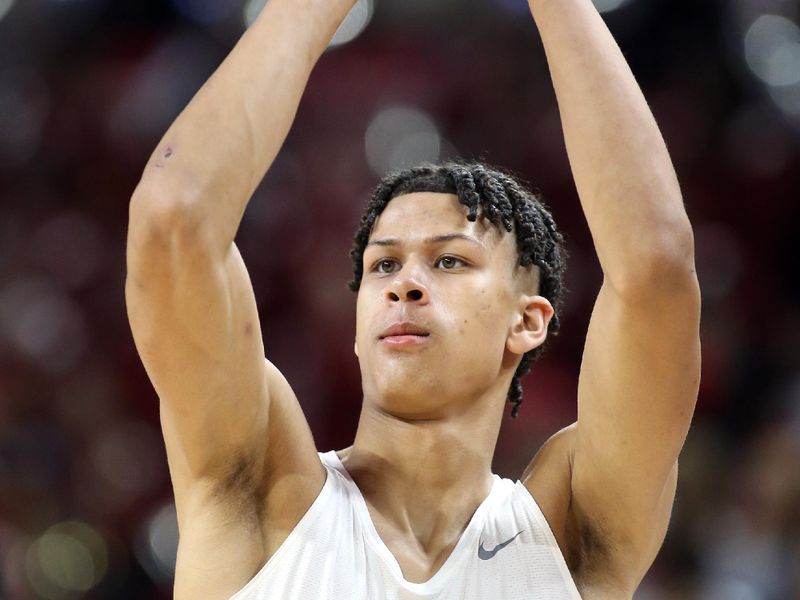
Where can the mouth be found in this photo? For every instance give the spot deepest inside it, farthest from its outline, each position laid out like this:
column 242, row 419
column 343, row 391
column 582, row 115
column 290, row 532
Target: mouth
column 404, row 340
column 404, row 335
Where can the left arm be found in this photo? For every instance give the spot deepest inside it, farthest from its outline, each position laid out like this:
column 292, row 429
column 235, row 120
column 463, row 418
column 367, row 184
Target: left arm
column 641, row 364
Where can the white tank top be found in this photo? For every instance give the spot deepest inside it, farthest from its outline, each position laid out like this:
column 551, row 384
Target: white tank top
column 507, row 552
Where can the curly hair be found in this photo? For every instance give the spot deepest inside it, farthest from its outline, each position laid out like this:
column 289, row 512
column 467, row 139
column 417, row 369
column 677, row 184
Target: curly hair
column 506, row 203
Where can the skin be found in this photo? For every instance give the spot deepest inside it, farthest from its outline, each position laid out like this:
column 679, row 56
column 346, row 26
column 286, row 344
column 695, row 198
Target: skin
column 435, row 408
column 474, row 298
column 242, row 459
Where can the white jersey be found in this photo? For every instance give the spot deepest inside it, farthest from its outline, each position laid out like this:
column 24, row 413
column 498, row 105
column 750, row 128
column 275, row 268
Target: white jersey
column 507, row 552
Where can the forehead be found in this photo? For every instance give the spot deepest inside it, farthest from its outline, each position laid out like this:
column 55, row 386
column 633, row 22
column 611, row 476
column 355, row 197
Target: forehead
column 428, row 214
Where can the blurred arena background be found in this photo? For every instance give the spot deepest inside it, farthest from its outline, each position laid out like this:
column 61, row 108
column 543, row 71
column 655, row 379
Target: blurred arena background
column 87, row 87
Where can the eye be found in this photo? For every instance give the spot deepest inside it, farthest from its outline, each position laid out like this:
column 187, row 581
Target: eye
column 385, row 266
column 448, row 262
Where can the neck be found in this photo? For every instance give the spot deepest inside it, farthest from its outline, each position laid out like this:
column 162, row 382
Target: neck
column 423, row 477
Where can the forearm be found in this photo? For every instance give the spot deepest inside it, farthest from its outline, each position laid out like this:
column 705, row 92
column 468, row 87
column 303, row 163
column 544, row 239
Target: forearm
column 214, row 155
column 623, row 173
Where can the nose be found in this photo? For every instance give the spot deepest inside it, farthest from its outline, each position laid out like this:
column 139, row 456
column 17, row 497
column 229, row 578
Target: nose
column 406, row 287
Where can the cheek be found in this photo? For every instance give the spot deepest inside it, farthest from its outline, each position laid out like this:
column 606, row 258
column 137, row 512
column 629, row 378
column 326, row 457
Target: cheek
column 369, row 314
column 362, row 316
column 483, row 318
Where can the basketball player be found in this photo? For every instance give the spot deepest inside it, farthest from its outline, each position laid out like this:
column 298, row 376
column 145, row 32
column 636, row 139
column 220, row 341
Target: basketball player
column 458, row 272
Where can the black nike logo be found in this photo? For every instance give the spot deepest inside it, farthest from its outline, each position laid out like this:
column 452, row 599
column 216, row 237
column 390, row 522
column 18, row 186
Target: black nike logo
column 485, row 554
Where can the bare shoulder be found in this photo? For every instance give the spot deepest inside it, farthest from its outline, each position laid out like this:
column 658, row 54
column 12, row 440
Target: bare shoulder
column 294, row 474
column 548, row 478
column 232, row 525
column 241, row 456
column 598, row 555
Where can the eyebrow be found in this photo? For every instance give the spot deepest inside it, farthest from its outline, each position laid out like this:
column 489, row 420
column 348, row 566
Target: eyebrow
column 437, row 239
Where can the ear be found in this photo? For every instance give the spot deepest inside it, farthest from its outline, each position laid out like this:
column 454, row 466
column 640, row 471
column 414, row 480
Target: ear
column 528, row 328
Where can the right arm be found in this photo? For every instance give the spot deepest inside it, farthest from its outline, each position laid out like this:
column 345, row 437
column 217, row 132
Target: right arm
column 242, row 460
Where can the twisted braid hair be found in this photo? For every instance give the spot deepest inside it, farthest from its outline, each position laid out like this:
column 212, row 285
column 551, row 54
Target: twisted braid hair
column 506, row 203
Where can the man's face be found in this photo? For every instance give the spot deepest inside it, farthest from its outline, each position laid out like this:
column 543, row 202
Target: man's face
column 439, row 304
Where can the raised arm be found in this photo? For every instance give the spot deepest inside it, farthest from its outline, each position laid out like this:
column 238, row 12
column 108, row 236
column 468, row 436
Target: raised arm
column 241, row 456
column 212, row 158
column 641, row 363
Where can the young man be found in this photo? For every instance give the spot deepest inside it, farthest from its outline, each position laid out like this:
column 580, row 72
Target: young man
column 457, row 273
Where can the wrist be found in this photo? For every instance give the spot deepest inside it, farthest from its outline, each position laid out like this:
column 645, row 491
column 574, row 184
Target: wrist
column 301, row 30
column 540, row 7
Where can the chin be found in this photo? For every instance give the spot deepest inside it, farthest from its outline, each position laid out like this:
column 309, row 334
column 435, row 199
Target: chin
column 406, row 393
column 415, row 399
column 406, row 396
column 410, row 411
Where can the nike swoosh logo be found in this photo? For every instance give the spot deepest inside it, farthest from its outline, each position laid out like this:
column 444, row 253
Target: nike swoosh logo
column 485, row 554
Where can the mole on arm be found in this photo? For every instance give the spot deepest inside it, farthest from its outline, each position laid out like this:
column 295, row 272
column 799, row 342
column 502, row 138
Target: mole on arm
column 161, row 161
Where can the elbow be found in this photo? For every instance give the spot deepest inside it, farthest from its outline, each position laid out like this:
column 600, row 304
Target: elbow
column 158, row 215
column 664, row 264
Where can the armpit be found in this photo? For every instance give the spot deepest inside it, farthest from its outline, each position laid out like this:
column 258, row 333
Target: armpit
column 598, row 562
column 241, row 492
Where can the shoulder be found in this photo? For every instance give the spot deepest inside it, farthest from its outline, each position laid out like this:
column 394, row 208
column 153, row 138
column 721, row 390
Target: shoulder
column 598, row 560
column 230, row 528
column 548, row 479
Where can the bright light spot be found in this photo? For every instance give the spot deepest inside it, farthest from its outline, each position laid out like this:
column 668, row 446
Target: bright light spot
column 399, row 137
column 69, row 557
column 772, row 50
column 157, row 546
column 788, row 100
column 252, row 9
column 5, row 6
column 607, row 6
column 125, row 454
column 722, row 588
column 356, row 21
column 43, row 324
column 422, row 146
column 66, row 562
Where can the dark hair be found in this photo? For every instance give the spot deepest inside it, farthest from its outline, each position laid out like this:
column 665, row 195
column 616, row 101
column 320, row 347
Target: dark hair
column 506, row 203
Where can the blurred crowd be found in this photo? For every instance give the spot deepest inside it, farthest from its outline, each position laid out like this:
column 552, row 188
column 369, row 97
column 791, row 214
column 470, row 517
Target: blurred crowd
column 87, row 87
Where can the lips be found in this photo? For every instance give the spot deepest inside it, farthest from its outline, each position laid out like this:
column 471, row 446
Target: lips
column 404, row 329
